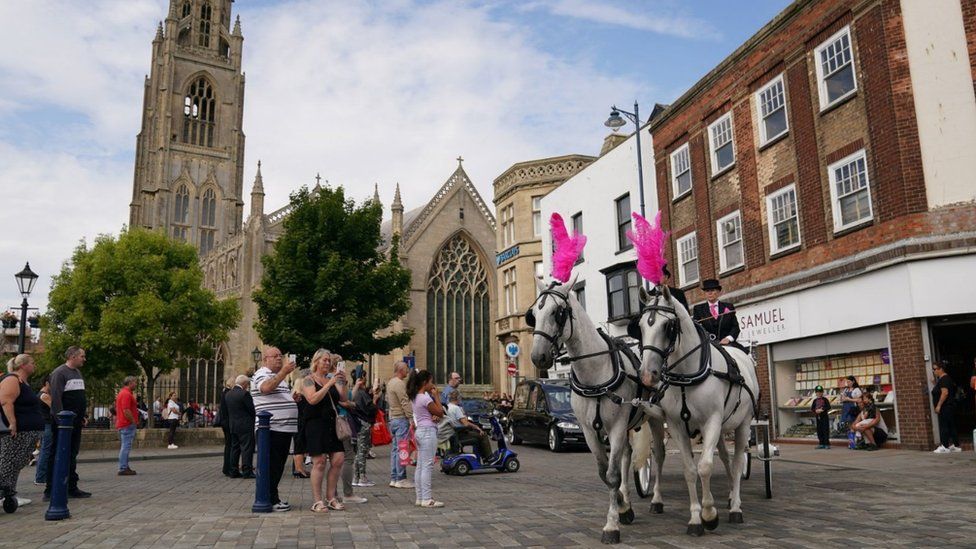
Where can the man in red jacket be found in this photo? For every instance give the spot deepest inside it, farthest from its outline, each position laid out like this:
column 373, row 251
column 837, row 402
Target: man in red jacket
column 126, row 415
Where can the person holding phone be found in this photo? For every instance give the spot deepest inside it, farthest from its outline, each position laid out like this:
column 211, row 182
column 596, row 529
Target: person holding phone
column 427, row 411
column 346, row 407
column 271, row 393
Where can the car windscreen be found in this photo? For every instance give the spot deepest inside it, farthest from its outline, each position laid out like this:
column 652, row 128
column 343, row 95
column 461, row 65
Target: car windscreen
column 558, row 399
column 475, row 407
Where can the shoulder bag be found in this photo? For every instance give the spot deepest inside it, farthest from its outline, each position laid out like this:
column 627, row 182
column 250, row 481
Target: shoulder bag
column 342, row 428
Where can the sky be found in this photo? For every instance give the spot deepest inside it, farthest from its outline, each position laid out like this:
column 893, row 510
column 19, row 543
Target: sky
column 362, row 92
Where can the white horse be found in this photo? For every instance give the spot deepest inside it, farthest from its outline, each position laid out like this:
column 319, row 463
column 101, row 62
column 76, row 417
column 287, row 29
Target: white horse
column 604, row 384
column 698, row 396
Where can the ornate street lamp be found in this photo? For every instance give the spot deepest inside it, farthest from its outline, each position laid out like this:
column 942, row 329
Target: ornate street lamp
column 25, row 283
column 615, row 122
column 256, row 355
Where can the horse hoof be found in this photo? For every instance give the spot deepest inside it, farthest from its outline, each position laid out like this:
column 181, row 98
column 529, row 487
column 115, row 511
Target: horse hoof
column 710, row 524
column 610, row 537
column 627, row 517
column 657, row 508
column 735, row 517
column 696, row 530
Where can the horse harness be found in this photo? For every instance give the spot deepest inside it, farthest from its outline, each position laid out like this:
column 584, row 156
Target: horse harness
column 668, row 377
column 615, row 348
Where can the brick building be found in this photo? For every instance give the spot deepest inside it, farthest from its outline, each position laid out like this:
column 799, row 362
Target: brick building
column 824, row 173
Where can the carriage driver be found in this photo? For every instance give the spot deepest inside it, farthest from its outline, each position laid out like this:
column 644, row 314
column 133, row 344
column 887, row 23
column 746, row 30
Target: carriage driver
column 717, row 317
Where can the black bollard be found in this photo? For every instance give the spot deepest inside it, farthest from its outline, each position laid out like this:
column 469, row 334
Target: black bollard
column 58, row 508
column 262, row 486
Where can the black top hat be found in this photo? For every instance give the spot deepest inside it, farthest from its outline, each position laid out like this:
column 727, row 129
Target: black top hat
column 711, row 284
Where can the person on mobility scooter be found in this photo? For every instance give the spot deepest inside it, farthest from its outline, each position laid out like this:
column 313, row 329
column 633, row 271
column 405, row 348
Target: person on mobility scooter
column 456, row 461
column 461, row 431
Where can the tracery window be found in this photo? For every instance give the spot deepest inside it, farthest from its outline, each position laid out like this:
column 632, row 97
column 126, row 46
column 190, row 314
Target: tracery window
column 203, row 379
column 199, row 113
column 186, row 9
column 181, row 212
column 208, row 221
column 458, row 314
column 206, row 12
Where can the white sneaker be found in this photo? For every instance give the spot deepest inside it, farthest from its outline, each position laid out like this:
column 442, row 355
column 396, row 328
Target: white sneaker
column 393, row 484
column 366, row 483
column 22, row 501
column 404, row 484
column 417, row 503
column 941, row 450
column 955, row 448
column 353, row 499
column 281, row 507
column 431, row 503
column 172, row 447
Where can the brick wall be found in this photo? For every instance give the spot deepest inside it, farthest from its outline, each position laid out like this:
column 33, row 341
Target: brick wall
column 908, row 367
column 761, row 354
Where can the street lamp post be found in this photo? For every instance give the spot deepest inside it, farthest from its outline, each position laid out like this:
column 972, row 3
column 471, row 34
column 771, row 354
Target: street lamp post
column 25, row 283
column 256, row 355
column 615, row 122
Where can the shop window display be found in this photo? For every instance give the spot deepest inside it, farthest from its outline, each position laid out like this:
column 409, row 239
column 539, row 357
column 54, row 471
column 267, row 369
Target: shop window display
column 796, row 380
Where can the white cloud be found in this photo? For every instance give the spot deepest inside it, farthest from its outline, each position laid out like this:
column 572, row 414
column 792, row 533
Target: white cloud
column 607, row 13
column 362, row 92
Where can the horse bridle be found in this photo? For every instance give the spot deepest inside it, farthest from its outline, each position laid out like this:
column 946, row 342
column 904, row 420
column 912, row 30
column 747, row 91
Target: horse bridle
column 672, row 330
column 563, row 314
column 672, row 334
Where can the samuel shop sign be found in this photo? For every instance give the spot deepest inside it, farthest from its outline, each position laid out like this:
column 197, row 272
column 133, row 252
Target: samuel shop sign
column 769, row 321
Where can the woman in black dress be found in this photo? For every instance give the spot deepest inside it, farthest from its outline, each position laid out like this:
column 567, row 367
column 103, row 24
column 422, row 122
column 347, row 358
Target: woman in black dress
column 321, row 442
column 298, row 441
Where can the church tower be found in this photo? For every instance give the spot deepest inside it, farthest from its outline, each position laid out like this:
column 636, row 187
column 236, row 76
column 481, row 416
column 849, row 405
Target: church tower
column 189, row 154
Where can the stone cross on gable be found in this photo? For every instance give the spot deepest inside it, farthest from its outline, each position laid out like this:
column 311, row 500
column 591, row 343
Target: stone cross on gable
column 459, row 159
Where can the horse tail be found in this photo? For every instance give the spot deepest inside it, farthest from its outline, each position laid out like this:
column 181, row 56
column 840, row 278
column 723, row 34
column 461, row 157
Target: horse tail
column 640, row 443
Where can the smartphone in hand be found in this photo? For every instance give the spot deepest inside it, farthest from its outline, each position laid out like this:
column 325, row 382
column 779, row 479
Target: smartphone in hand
column 341, row 366
column 292, row 358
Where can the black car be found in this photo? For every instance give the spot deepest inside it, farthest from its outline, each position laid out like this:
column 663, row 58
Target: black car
column 477, row 410
column 542, row 414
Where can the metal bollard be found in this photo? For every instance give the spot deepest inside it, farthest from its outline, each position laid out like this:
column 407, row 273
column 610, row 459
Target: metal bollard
column 262, row 486
column 58, row 508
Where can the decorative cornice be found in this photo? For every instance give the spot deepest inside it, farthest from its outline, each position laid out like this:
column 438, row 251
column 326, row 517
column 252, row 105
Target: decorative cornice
column 541, row 171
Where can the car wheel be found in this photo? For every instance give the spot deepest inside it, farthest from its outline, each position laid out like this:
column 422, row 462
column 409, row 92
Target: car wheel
column 512, row 465
column 510, row 437
column 462, row 468
column 555, row 440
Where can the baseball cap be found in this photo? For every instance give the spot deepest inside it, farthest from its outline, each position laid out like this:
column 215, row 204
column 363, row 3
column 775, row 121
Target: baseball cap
column 818, row 389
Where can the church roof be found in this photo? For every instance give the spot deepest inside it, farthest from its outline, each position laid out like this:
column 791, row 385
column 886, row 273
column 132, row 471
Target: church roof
column 415, row 218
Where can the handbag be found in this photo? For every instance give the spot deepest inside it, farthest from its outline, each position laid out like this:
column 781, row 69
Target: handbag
column 380, row 435
column 342, row 429
column 405, row 447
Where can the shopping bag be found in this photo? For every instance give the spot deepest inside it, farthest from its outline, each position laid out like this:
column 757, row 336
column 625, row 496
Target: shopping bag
column 381, row 435
column 404, row 448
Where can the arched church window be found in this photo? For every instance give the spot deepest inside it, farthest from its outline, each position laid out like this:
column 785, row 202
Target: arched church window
column 458, row 314
column 199, row 106
column 208, row 221
column 181, row 212
column 206, row 12
column 186, row 9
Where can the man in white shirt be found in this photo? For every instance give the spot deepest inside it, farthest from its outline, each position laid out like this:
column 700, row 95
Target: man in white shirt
column 271, row 394
column 467, row 432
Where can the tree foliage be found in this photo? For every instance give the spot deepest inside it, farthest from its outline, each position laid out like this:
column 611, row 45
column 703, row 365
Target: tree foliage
column 137, row 305
column 327, row 284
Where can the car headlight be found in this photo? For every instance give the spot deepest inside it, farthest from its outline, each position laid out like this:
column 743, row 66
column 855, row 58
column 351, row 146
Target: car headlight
column 568, row 425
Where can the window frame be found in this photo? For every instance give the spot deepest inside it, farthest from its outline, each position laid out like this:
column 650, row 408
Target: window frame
column 712, row 152
column 674, row 175
column 622, row 271
column 578, row 216
column 682, row 276
column 510, row 289
column 538, row 271
column 722, row 259
column 508, row 226
column 537, row 216
column 774, row 247
column 763, row 138
column 822, row 78
column 623, row 243
column 839, row 226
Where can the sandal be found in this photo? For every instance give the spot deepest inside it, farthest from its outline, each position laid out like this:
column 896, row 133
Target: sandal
column 336, row 505
column 319, row 507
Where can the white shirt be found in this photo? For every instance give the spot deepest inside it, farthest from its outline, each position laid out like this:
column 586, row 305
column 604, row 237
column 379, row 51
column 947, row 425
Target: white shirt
column 172, row 410
column 281, row 405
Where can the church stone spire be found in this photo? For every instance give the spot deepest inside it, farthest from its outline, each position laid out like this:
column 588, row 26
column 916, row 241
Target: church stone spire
column 376, row 193
column 397, row 209
column 257, row 194
column 237, row 26
column 159, row 33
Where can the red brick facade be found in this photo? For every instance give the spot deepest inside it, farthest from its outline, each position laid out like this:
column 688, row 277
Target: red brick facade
column 908, row 368
column 878, row 118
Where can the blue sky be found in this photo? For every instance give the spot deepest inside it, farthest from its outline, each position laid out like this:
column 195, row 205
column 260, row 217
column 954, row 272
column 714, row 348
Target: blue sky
column 365, row 93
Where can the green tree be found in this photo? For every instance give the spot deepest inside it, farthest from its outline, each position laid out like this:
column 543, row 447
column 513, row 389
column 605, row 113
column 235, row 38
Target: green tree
column 327, row 284
column 137, row 305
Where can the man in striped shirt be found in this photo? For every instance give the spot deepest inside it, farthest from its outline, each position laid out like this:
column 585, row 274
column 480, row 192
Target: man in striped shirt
column 271, row 394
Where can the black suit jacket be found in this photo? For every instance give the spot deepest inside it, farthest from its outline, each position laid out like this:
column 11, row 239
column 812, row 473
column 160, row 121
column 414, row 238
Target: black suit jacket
column 222, row 413
column 726, row 325
column 240, row 408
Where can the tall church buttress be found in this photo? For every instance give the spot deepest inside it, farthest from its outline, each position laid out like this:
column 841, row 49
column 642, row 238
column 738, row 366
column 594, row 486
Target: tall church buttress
column 189, row 165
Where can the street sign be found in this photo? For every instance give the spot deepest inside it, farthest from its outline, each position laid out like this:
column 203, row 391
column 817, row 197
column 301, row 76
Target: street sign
column 512, row 349
column 411, row 361
column 512, row 369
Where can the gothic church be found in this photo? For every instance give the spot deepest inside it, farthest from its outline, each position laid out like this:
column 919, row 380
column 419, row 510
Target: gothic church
column 188, row 183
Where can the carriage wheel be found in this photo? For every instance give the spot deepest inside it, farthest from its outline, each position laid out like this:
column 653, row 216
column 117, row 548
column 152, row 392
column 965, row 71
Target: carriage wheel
column 10, row 504
column 642, row 478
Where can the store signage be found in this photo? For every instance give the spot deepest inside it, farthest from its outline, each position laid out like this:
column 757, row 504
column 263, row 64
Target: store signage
column 769, row 321
column 506, row 255
column 512, row 349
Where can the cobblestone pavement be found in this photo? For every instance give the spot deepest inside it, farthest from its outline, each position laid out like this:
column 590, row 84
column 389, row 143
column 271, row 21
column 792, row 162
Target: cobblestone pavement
column 837, row 498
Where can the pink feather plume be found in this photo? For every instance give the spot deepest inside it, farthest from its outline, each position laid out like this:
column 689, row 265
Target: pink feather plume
column 567, row 249
column 650, row 242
